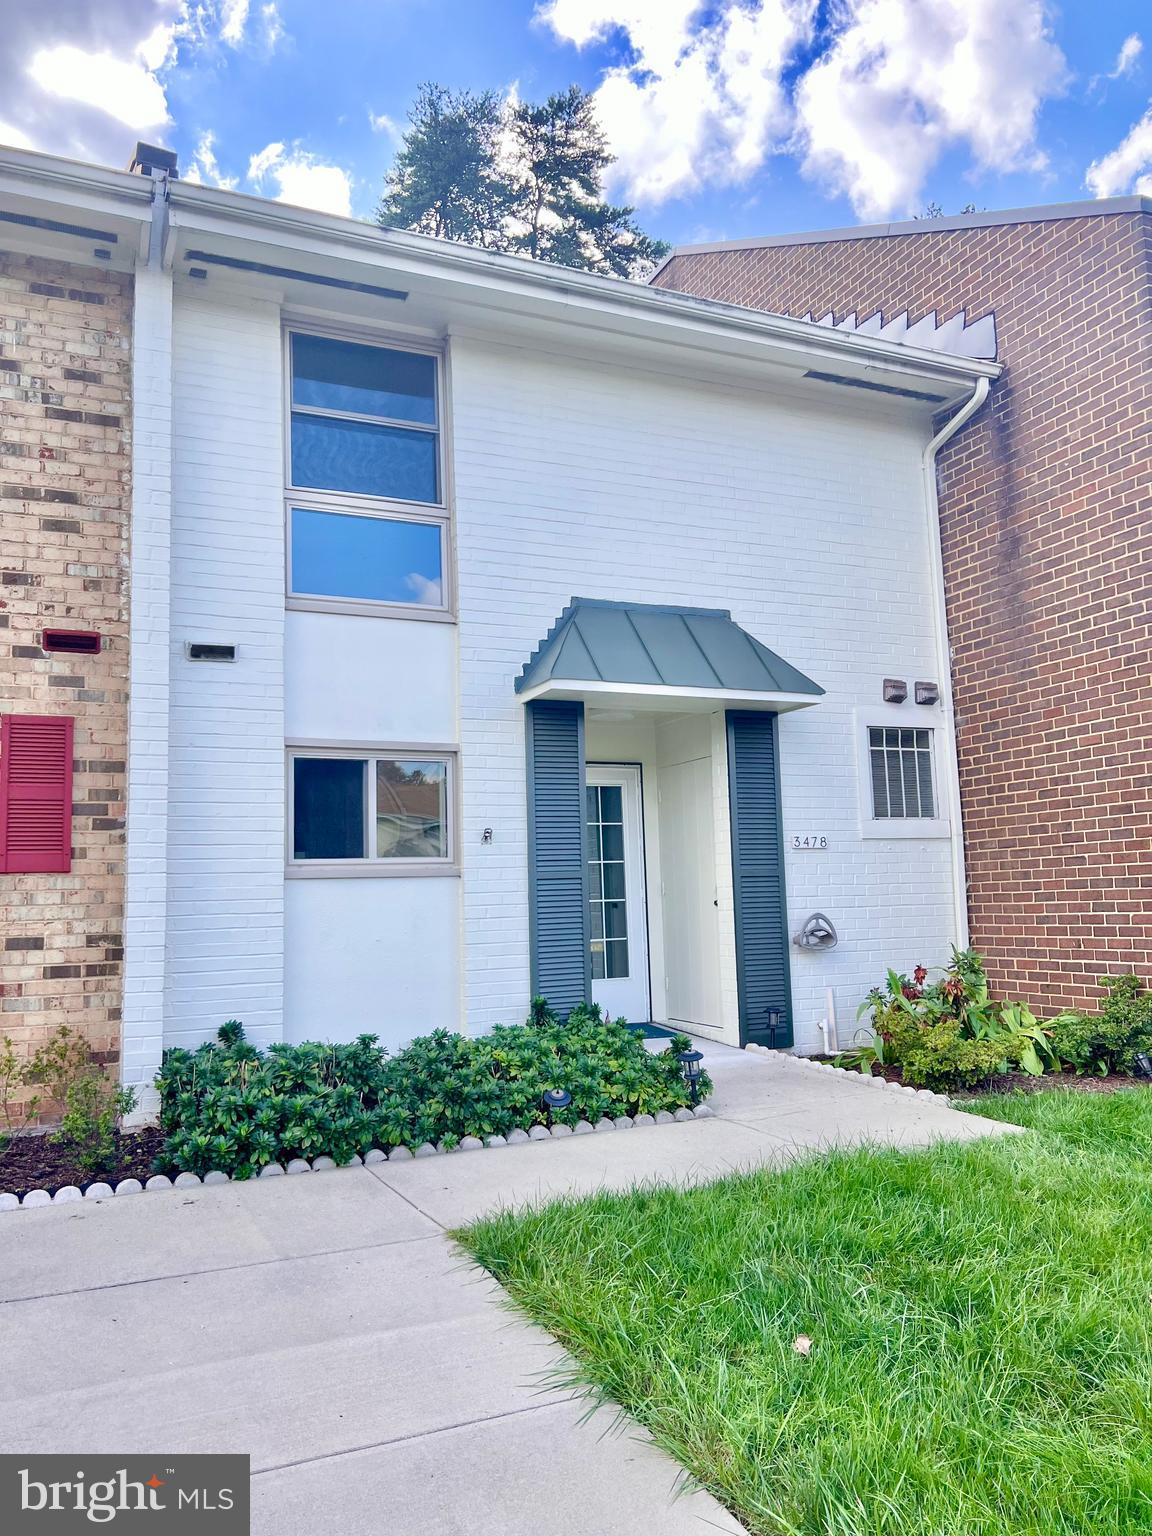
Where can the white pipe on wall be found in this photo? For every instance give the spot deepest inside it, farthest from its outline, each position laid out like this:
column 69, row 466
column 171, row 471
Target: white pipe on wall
column 944, row 650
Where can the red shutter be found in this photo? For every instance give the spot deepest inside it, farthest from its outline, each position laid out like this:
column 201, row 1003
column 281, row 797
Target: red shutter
column 35, row 794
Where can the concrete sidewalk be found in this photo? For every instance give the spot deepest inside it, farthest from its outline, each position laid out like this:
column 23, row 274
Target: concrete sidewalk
column 326, row 1325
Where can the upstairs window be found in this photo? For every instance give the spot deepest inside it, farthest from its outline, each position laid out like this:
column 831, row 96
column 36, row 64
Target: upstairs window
column 365, row 420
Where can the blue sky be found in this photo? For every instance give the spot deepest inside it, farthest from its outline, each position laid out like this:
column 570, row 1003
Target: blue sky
column 729, row 118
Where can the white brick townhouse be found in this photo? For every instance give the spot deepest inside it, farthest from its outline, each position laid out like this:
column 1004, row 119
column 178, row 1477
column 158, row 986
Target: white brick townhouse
column 495, row 630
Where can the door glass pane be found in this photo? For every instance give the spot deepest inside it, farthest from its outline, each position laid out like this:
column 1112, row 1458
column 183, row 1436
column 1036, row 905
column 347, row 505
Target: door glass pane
column 367, row 381
column 611, row 803
column 611, row 841
column 606, row 882
column 337, row 455
column 615, row 924
column 615, row 958
column 374, row 558
column 328, row 808
column 411, row 809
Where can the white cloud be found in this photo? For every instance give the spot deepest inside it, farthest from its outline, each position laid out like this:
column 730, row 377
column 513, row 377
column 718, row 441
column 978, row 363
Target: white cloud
column 381, row 123
column 301, row 179
column 1128, row 168
column 86, row 77
column 709, row 92
column 205, row 168
column 1126, row 60
column 234, row 16
column 125, row 89
column 703, row 101
column 233, row 21
column 14, row 138
column 904, row 80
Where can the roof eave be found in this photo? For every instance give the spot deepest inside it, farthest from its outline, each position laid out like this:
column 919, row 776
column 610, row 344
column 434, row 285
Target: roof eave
column 572, row 292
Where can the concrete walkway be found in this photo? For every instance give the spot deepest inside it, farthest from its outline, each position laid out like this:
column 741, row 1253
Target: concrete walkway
column 326, row 1325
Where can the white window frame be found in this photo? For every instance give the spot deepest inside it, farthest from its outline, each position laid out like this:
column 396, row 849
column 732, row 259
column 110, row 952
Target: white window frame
column 356, row 504
column 898, row 717
column 373, row 865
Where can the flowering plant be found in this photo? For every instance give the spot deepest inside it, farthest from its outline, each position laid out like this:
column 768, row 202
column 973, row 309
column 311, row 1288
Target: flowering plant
column 949, row 1032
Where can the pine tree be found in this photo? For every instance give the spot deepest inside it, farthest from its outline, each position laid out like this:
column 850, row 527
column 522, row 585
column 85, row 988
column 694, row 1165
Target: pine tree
column 560, row 156
column 520, row 178
column 444, row 180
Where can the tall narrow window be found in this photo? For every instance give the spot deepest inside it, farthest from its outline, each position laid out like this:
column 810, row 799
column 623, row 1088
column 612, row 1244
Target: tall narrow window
column 367, row 519
column 606, row 882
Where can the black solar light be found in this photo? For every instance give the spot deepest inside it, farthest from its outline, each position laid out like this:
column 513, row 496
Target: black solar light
column 554, row 1099
column 690, row 1062
column 1143, row 1064
column 774, row 1016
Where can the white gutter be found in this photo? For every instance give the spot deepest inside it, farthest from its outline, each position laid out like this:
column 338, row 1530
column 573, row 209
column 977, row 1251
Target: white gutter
column 944, row 651
column 211, row 210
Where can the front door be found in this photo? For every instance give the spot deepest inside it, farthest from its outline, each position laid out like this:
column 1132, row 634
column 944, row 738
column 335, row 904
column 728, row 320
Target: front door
column 618, row 922
column 688, row 861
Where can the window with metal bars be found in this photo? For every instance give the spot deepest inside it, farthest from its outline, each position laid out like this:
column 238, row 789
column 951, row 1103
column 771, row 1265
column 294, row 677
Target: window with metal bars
column 900, row 759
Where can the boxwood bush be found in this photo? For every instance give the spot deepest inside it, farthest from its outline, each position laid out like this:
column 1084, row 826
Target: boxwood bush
column 230, row 1106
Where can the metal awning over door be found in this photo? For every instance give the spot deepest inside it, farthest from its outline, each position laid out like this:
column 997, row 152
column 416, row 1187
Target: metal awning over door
column 659, row 657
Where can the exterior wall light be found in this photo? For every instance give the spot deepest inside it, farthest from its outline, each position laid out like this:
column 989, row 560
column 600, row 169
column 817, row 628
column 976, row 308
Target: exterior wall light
column 690, row 1063
column 927, row 693
column 895, row 690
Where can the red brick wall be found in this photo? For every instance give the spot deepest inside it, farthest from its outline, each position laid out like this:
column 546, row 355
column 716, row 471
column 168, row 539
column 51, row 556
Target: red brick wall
column 1046, row 519
column 64, row 500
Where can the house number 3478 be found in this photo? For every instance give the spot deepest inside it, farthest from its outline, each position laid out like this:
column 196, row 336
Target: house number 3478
column 812, row 840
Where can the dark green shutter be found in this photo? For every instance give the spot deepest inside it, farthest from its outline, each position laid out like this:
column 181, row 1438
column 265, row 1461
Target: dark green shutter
column 758, row 878
column 557, row 854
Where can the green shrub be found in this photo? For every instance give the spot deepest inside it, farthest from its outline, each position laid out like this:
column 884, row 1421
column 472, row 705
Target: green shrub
column 949, row 1033
column 92, row 1105
column 232, row 1107
column 1110, row 1040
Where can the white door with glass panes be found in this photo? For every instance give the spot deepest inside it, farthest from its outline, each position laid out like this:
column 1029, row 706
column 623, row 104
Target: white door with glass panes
column 618, row 922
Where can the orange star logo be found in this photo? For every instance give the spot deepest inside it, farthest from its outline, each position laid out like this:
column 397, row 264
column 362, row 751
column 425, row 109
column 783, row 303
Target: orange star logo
column 154, row 1482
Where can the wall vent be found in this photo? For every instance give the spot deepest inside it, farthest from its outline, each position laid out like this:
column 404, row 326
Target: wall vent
column 204, row 650
column 74, row 642
column 880, row 389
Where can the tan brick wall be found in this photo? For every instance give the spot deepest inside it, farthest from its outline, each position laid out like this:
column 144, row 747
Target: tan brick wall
column 64, row 501
column 1046, row 520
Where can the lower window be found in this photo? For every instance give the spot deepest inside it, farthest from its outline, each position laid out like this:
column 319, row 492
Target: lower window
column 900, row 759
column 369, row 808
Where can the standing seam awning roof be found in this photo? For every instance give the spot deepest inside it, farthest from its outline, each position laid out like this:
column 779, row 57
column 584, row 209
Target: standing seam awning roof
column 594, row 641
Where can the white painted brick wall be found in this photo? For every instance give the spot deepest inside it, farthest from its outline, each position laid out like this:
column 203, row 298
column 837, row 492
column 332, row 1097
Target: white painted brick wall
column 226, row 774
column 591, row 480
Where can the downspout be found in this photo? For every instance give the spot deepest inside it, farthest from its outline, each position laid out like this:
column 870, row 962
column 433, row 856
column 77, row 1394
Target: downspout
column 944, row 651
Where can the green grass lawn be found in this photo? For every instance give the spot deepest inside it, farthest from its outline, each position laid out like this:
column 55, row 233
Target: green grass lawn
column 980, row 1317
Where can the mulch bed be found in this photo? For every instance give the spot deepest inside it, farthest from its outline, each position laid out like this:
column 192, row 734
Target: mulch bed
column 37, row 1162
column 1021, row 1082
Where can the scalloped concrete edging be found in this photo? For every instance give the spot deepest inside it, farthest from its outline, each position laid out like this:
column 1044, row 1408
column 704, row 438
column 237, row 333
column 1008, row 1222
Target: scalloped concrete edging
column 856, row 1077
column 70, row 1193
